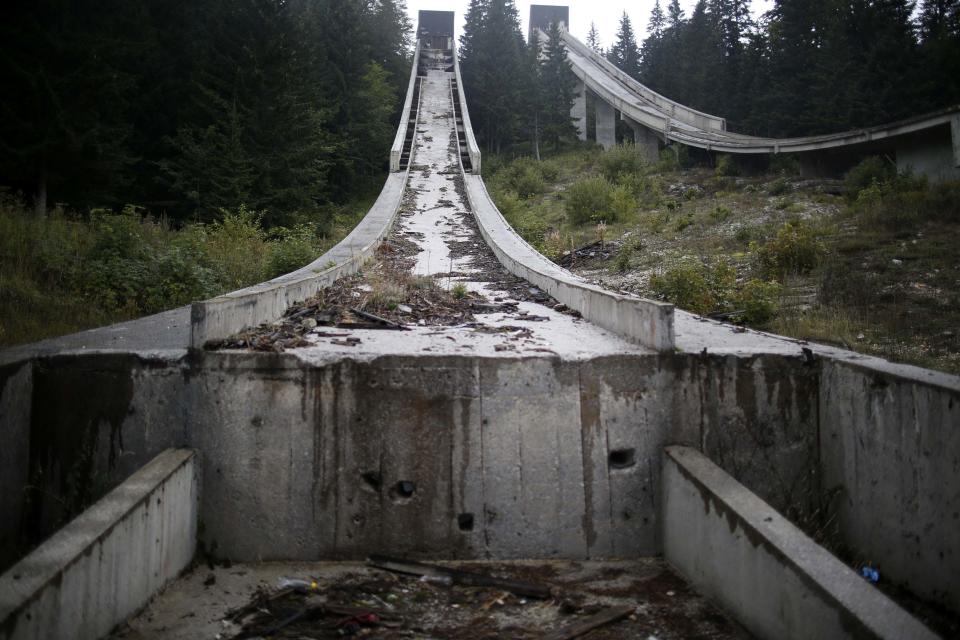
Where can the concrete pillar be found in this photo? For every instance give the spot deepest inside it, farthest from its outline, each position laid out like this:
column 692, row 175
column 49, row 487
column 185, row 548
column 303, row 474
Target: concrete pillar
column 647, row 142
column 579, row 110
column 606, row 124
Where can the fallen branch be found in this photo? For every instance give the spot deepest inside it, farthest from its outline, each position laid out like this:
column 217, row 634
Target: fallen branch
column 375, row 318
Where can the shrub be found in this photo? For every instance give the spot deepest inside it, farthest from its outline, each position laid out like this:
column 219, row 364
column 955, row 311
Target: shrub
column 291, row 249
column 726, row 167
column 785, row 164
column 523, row 176
column 779, row 187
column 693, row 286
column 590, row 200
column 795, row 249
column 621, row 160
column 685, row 285
column 683, row 222
column 870, row 171
column 622, row 205
column 759, row 301
column 720, row 213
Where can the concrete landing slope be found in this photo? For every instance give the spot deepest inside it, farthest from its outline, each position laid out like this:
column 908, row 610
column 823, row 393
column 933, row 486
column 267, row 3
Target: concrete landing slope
column 108, row 562
column 777, row 581
column 645, row 322
column 678, row 123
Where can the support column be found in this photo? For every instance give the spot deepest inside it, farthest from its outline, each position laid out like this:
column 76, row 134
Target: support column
column 578, row 112
column 646, row 141
column 606, row 124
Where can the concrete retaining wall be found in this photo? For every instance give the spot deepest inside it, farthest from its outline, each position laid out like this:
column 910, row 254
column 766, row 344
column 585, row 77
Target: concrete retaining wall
column 646, row 322
column 890, row 447
column 107, row 563
column 773, row 578
column 507, row 458
column 74, row 427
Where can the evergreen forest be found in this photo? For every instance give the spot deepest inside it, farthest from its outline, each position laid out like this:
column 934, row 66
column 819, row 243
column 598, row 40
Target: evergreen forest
column 190, row 107
column 805, row 67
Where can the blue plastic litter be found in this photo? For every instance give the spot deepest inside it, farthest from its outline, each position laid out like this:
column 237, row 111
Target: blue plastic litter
column 870, row 573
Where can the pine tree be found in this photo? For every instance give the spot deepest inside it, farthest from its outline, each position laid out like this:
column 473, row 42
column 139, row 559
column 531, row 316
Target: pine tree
column 652, row 65
column 534, row 95
column 624, row 53
column 657, row 22
column 558, row 84
column 593, row 38
column 492, row 59
column 939, row 30
column 675, row 16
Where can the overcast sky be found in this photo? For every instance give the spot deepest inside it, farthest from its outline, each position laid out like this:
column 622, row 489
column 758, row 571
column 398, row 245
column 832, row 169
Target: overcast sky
column 605, row 13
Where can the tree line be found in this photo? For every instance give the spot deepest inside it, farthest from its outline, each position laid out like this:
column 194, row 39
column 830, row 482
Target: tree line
column 189, row 107
column 517, row 91
column 805, row 67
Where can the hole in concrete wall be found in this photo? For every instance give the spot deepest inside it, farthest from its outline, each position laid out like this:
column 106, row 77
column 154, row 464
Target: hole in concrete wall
column 405, row 489
column 622, row 458
column 372, row 479
column 465, row 521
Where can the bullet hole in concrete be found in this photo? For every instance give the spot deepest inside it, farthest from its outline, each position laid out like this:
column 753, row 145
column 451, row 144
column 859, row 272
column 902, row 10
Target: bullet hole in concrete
column 465, row 521
column 622, row 458
column 358, row 519
column 372, row 479
column 256, row 421
column 405, row 489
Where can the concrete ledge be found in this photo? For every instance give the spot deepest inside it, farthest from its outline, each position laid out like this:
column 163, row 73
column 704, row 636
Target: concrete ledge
column 679, row 111
column 397, row 149
column 646, row 322
column 109, row 561
column 778, row 582
column 473, row 149
column 225, row 315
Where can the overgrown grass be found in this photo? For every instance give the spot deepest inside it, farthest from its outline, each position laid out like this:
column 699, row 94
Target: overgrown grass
column 68, row 271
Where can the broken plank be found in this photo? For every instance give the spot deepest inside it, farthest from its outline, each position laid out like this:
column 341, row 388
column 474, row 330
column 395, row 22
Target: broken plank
column 577, row 629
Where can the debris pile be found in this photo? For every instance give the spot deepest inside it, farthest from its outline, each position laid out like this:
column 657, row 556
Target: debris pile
column 398, row 598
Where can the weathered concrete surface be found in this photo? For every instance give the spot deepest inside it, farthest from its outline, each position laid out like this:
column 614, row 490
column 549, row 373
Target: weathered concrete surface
column 107, row 563
column 934, row 153
column 891, row 448
column 473, row 149
column 776, row 581
column 15, row 392
column 606, row 124
column 505, row 457
column 75, row 427
column 646, row 322
column 578, row 111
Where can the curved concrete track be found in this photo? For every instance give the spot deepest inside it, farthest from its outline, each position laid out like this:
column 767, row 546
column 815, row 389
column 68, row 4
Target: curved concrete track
column 678, row 123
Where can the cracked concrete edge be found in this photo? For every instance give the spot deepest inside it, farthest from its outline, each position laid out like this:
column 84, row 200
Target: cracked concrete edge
column 646, row 322
column 775, row 580
column 110, row 560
